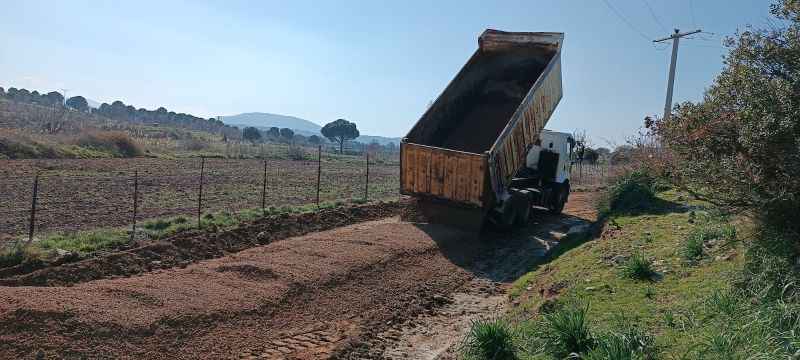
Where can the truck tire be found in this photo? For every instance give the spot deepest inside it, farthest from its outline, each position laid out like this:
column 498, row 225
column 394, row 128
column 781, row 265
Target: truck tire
column 523, row 211
column 507, row 218
column 559, row 199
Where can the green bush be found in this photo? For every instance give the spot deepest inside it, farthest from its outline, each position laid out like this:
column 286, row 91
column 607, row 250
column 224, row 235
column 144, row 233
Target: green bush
column 638, row 267
column 490, row 340
column 631, row 192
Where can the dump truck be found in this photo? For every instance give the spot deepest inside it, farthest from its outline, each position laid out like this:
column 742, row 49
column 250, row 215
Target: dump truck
column 480, row 151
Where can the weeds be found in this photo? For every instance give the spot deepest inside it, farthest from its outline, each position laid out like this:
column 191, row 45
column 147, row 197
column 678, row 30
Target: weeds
column 638, row 267
column 630, row 344
column 490, row 339
column 116, row 142
column 12, row 256
column 84, row 242
column 565, row 332
column 693, row 249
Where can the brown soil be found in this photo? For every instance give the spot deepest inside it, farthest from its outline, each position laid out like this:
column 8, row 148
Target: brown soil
column 186, row 248
column 78, row 194
column 330, row 294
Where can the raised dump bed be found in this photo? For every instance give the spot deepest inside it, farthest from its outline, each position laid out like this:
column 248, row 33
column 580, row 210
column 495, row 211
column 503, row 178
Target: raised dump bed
column 471, row 142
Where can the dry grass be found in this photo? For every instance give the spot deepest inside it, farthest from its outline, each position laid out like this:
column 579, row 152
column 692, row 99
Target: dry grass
column 116, row 142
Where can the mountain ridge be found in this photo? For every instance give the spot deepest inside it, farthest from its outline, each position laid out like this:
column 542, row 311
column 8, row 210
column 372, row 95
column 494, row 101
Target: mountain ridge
column 264, row 120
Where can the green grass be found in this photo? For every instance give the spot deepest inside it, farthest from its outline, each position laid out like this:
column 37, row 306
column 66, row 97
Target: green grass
column 674, row 310
column 565, row 331
column 87, row 242
column 638, row 267
column 490, row 339
column 84, row 242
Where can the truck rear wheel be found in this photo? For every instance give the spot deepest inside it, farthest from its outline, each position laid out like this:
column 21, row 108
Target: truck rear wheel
column 507, row 217
column 523, row 211
column 559, row 199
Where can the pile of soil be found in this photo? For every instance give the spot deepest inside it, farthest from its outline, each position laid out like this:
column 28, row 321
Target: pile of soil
column 314, row 296
column 186, row 248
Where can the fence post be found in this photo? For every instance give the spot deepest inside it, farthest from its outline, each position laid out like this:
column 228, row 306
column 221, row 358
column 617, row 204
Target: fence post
column 366, row 185
column 200, row 193
column 135, row 202
column 33, row 208
column 319, row 170
column 264, row 191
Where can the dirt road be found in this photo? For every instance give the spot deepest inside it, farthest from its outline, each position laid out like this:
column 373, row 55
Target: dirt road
column 378, row 289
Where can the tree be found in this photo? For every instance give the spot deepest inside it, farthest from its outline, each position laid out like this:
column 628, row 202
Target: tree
column 340, row 131
column 274, row 133
column 314, row 139
column 54, row 98
column 2, row 92
column 251, row 134
column 287, row 134
column 591, row 155
column 740, row 146
column 78, row 103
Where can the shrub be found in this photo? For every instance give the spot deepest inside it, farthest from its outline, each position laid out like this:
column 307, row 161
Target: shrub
column 11, row 257
column 566, row 332
column 490, row 339
column 116, row 142
column 638, row 267
column 630, row 192
column 740, row 146
column 16, row 145
column 196, row 145
column 692, row 249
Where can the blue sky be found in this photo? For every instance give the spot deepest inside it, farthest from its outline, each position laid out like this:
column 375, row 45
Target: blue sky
column 378, row 63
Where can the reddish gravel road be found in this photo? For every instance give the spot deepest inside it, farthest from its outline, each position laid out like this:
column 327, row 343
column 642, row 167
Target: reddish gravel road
column 323, row 295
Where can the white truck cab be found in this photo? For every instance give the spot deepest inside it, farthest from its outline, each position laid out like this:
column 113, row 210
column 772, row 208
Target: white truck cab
column 558, row 143
column 544, row 181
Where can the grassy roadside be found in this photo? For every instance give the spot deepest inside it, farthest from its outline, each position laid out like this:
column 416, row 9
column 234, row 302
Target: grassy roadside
column 668, row 278
column 85, row 243
column 645, row 270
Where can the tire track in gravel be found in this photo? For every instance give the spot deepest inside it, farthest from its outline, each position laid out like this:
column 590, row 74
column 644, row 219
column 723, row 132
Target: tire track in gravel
column 375, row 289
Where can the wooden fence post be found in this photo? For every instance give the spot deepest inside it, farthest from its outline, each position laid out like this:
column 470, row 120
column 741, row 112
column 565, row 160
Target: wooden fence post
column 200, row 192
column 34, row 198
column 135, row 202
column 264, row 191
column 319, row 170
column 366, row 185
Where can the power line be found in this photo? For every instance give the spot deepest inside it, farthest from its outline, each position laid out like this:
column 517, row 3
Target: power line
column 653, row 14
column 691, row 12
column 630, row 25
column 676, row 38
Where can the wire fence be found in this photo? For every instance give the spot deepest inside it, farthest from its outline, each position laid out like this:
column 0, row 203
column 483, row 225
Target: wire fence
column 52, row 196
column 587, row 174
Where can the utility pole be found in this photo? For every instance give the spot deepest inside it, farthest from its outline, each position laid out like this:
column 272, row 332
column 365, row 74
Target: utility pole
column 64, row 93
column 676, row 37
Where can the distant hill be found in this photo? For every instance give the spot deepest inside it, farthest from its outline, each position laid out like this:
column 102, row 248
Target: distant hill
column 300, row 126
column 267, row 120
column 93, row 103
